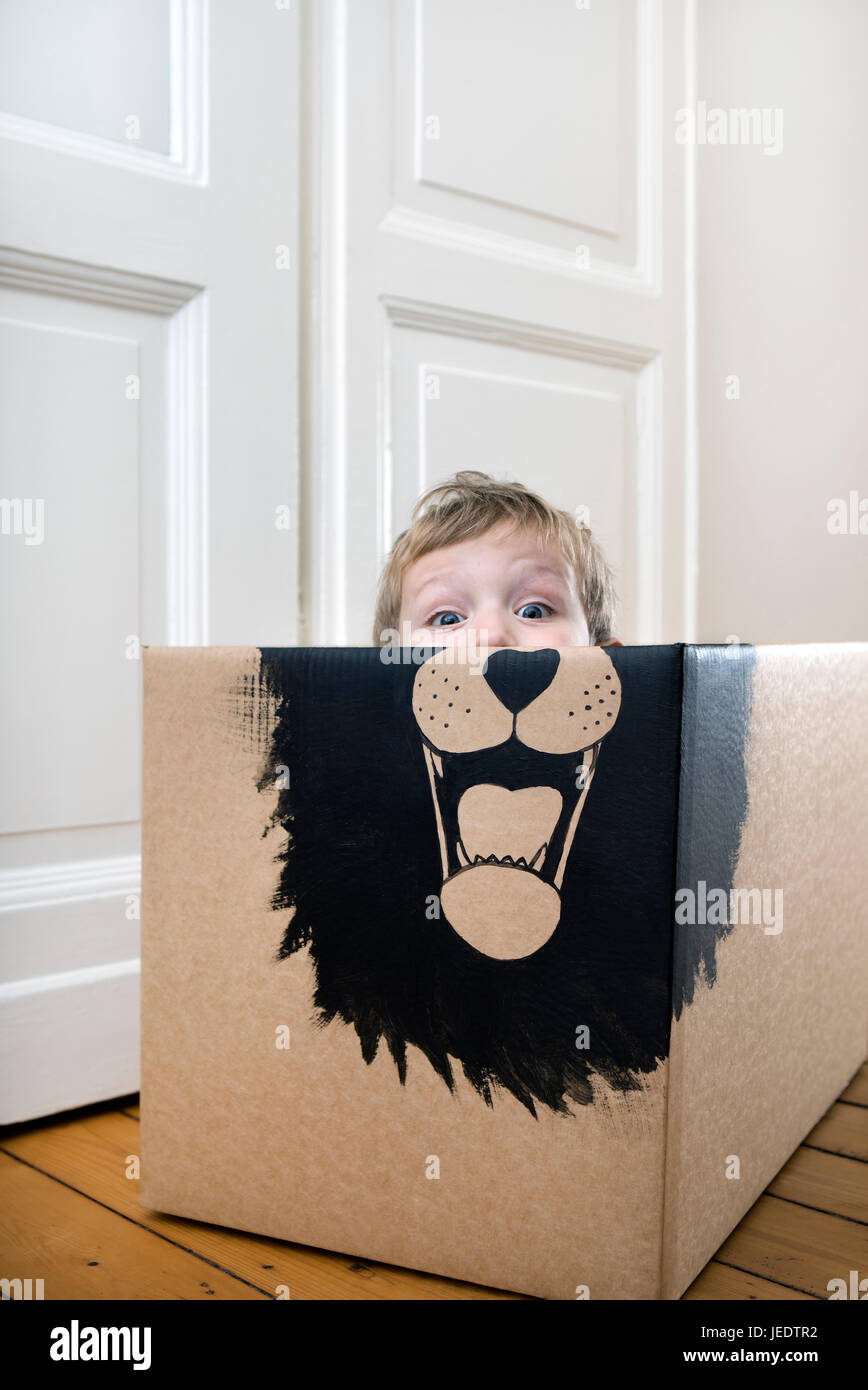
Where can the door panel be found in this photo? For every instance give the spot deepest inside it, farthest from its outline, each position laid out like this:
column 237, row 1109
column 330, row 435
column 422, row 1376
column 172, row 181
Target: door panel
column 148, row 331
column 527, row 113
column 498, row 198
column 567, row 423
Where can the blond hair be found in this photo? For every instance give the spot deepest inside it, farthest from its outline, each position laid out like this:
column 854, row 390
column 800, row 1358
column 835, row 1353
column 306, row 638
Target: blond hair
column 470, row 504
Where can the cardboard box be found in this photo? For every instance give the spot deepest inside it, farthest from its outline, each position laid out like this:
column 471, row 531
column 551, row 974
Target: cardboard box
column 532, row 976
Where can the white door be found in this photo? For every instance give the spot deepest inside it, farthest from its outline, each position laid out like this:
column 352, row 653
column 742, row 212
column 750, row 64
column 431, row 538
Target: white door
column 501, row 236
column 148, row 365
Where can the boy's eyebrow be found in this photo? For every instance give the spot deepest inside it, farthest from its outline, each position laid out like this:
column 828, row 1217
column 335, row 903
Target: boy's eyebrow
column 538, row 568
column 539, row 571
column 435, row 578
column 439, row 578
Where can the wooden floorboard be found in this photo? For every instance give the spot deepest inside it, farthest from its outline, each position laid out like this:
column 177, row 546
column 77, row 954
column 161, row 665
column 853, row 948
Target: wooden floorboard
column 720, row 1281
column 826, row 1182
column 796, row 1246
column 84, row 1250
column 70, row 1211
column 842, row 1130
column 857, row 1092
column 91, row 1155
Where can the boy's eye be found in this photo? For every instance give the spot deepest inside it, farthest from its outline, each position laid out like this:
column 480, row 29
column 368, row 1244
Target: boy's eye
column 448, row 619
column 534, row 610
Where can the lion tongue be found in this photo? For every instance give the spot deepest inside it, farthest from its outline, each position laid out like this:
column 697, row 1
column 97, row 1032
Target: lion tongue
column 495, row 821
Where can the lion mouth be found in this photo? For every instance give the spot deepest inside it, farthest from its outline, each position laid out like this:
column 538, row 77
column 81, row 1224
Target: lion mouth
column 504, row 846
column 510, row 806
column 499, row 826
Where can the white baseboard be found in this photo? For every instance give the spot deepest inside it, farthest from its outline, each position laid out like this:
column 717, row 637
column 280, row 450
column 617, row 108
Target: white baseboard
column 69, row 985
column 68, row 1039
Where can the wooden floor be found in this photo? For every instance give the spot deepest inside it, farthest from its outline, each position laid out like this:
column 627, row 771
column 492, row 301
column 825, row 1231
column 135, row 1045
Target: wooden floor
column 69, row 1214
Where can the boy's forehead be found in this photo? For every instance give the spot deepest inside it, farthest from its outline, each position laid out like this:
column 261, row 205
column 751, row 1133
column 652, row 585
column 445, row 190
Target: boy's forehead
column 519, row 548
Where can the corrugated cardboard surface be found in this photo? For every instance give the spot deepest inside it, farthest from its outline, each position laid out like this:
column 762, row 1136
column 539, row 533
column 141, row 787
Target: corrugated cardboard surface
column 310, row 1144
column 313, row 1145
column 758, row 1057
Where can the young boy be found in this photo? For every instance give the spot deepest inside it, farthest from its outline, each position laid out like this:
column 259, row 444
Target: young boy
column 490, row 563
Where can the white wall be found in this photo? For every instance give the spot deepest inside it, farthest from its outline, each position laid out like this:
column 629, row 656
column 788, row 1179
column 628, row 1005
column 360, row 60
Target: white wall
column 783, row 304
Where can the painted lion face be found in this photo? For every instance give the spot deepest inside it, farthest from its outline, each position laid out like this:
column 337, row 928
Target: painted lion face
column 506, row 827
column 479, row 861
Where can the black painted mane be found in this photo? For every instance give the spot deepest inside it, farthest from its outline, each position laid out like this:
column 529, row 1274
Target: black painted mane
column 361, row 867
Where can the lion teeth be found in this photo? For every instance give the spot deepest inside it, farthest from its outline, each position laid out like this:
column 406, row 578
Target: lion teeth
column 541, row 851
column 499, row 826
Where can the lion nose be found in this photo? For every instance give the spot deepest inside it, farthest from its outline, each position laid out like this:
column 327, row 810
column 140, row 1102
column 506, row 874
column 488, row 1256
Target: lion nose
column 517, row 678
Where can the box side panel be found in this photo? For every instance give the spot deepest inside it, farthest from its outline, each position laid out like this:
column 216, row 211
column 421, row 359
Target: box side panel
column 777, row 965
column 192, row 700
column 294, row 963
